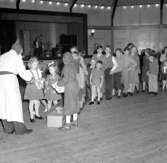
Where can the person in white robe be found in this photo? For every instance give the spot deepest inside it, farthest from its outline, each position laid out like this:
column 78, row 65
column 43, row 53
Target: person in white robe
column 11, row 112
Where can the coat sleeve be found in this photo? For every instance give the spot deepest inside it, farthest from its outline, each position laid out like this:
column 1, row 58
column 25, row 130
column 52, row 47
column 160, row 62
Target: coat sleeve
column 21, row 70
column 65, row 77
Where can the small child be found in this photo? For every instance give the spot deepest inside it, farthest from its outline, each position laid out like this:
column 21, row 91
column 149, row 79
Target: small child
column 164, row 75
column 153, row 75
column 34, row 89
column 51, row 94
column 90, row 66
column 96, row 82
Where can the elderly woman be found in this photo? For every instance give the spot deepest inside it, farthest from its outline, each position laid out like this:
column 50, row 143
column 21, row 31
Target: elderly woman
column 11, row 113
column 71, row 98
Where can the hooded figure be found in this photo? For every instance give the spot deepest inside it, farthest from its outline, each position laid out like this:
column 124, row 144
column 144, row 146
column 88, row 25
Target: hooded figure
column 11, row 112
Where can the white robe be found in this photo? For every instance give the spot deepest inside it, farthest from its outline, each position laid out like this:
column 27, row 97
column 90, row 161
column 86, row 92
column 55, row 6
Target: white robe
column 10, row 98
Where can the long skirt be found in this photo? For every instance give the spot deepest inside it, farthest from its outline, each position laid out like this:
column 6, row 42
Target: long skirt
column 108, row 83
column 10, row 99
column 153, row 83
column 117, row 80
column 125, row 80
column 71, row 98
column 133, row 77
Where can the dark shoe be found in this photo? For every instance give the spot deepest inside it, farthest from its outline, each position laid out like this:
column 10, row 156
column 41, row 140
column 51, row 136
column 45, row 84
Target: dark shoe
column 39, row 117
column 109, row 98
column 155, row 93
column 91, row 103
column 130, row 94
column 32, row 120
column 11, row 132
column 125, row 95
column 98, row 102
column 26, row 131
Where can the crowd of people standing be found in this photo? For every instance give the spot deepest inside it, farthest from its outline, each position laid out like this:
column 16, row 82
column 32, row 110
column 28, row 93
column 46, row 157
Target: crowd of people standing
column 122, row 74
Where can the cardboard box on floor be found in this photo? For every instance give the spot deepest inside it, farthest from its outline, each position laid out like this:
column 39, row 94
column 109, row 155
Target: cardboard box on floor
column 55, row 119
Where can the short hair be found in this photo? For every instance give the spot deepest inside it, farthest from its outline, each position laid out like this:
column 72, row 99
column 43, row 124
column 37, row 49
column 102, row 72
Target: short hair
column 31, row 61
column 52, row 64
column 163, row 50
column 100, row 62
column 118, row 49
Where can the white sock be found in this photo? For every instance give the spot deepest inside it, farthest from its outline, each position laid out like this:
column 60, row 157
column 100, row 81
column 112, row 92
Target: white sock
column 68, row 119
column 75, row 117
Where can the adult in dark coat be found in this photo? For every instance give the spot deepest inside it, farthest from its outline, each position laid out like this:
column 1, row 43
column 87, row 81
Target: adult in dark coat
column 71, row 94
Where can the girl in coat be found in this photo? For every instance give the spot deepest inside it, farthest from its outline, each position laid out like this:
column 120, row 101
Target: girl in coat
column 145, row 69
column 133, row 74
column 118, row 75
column 51, row 94
column 153, row 74
column 71, row 94
column 34, row 90
column 109, row 64
column 164, row 75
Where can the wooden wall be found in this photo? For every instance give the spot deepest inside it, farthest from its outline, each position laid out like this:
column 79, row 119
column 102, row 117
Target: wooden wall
column 138, row 25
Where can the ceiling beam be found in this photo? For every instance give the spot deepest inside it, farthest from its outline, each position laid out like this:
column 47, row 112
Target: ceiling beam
column 161, row 11
column 161, row 4
column 17, row 4
column 73, row 2
column 114, row 5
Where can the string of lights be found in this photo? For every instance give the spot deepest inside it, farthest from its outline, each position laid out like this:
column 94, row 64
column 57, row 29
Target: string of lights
column 88, row 6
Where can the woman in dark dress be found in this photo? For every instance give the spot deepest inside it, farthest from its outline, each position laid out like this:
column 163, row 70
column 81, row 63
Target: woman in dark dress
column 71, row 95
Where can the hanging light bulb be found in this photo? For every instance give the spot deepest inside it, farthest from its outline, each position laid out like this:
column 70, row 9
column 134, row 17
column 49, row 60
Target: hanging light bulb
column 102, row 7
column 75, row 5
column 65, row 4
column 41, row 2
column 124, row 7
column 148, row 6
column 140, row 6
column 156, row 5
column 57, row 3
column 96, row 7
column 50, row 2
column 132, row 7
column 109, row 8
column 89, row 6
column 23, row 1
column 166, row 5
column 82, row 5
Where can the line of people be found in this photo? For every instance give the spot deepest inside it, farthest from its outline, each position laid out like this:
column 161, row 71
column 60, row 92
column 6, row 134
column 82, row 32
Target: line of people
column 106, row 75
column 125, row 72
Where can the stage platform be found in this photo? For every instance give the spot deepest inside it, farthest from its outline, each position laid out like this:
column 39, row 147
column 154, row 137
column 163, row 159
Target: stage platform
column 127, row 130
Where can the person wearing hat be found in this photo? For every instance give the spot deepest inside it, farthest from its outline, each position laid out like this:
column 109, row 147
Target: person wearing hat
column 11, row 112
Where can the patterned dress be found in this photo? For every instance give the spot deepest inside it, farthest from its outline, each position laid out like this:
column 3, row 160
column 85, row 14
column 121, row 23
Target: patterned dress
column 51, row 93
column 34, row 89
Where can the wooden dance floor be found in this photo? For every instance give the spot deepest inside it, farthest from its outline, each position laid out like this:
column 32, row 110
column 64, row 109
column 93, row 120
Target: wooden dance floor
column 127, row 130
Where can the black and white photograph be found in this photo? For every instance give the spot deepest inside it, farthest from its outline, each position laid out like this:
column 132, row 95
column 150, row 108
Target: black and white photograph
column 83, row 81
